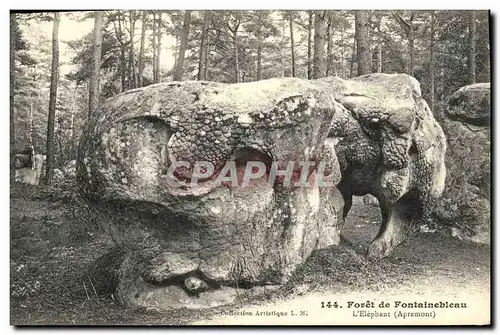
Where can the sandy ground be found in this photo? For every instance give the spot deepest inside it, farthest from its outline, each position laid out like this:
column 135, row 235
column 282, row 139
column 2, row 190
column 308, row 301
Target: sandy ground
column 53, row 244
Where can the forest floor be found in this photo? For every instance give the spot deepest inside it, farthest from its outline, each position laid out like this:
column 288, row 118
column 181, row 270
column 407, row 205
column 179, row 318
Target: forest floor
column 54, row 243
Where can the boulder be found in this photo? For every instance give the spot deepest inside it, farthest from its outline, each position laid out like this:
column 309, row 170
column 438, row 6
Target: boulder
column 389, row 145
column 207, row 243
column 465, row 204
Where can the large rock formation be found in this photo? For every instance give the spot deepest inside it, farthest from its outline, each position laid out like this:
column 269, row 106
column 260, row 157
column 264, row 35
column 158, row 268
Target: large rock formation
column 465, row 205
column 389, row 146
column 220, row 237
column 204, row 243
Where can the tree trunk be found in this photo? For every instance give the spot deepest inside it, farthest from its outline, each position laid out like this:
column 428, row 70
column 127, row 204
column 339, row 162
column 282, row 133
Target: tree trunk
column 259, row 56
column 31, row 122
column 123, row 66
column 431, row 62
column 283, row 44
column 182, row 49
column 407, row 27
column 58, row 135
column 471, row 59
column 131, row 66
column 319, row 44
column 176, row 54
column 329, row 49
column 309, row 45
column 233, row 33
column 54, row 78
column 154, row 44
column 236, row 58
column 141, row 50
column 13, row 31
column 206, row 57
column 363, row 48
column 94, row 87
column 342, row 54
column 32, row 147
column 292, row 44
column 370, row 51
column 158, row 48
column 353, row 58
column 203, row 46
column 411, row 45
column 379, row 57
column 379, row 45
column 259, row 50
column 72, row 120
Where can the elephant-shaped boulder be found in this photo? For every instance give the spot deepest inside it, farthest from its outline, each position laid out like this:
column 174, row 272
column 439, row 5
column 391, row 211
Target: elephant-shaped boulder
column 214, row 190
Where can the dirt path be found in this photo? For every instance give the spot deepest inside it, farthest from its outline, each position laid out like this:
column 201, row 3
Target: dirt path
column 53, row 244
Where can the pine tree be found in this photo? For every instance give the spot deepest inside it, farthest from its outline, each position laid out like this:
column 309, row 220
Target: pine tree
column 13, row 33
column 54, row 79
column 141, row 50
column 362, row 43
column 471, row 57
column 94, row 85
column 319, row 44
column 182, row 49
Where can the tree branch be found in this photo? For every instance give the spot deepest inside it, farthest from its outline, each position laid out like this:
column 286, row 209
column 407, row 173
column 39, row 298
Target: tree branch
column 404, row 25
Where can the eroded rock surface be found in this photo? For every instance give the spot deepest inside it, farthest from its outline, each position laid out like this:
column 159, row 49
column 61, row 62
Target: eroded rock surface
column 369, row 199
column 209, row 244
column 389, row 146
column 465, row 205
column 227, row 238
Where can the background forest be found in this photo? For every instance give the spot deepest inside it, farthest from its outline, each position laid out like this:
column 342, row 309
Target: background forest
column 63, row 64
